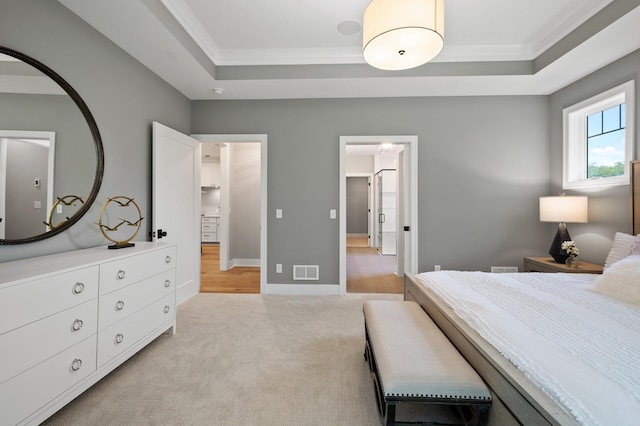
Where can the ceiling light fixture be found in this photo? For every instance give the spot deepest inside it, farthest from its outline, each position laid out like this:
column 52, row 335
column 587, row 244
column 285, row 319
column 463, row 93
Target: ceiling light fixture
column 386, row 148
column 402, row 34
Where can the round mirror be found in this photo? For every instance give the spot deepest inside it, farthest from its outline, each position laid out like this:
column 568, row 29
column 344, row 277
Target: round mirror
column 51, row 155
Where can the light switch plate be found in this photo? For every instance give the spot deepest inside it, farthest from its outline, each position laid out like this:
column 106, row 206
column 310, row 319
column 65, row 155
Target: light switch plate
column 278, row 213
column 332, row 214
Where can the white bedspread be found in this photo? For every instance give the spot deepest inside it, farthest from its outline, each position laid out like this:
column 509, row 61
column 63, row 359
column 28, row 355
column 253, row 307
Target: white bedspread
column 581, row 348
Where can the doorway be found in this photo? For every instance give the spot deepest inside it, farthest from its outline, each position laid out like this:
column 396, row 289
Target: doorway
column 234, row 257
column 404, row 228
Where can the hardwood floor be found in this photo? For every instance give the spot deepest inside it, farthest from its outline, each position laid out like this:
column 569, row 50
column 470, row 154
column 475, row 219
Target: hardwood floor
column 240, row 279
column 367, row 272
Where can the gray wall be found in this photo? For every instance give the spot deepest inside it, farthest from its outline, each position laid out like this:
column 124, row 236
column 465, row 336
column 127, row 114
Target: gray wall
column 483, row 163
column 357, row 205
column 123, row 96
column 609, row 209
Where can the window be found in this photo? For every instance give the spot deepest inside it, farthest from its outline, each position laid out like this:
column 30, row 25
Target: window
column 598, row 139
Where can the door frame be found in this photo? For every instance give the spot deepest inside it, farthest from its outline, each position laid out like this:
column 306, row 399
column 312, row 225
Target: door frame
column 410, row 143
column 262, row 140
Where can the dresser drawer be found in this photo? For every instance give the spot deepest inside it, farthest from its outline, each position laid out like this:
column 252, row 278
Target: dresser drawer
column 209, row 227
column 121, row 335
column 122, row 303
column 209, row 220
column 42, row 383
column 30, row 301
column 208, row 237
column 27, row 346
column 123, row 272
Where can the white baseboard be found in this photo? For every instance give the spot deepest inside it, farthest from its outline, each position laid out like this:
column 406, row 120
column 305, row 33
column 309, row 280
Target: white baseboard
column 187, row 291
column 304, row 289
column 244, row 262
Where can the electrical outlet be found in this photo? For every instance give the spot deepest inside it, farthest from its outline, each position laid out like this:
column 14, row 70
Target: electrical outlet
column 278, row 268
column 59, row 209
column 436, row 267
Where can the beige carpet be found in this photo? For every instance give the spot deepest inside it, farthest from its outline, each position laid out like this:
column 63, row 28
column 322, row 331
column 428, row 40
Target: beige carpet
column 243, row 360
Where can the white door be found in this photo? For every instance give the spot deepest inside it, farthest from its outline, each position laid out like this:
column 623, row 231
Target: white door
column 176, row 203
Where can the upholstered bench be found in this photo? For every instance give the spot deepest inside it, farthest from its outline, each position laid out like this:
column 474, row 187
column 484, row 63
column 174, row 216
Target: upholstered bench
column 411, row 360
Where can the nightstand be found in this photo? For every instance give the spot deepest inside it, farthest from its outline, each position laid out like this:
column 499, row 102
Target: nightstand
column 547, row 264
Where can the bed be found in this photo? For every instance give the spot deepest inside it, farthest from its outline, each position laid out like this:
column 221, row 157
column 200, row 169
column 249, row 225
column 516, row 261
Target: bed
column 559, row 349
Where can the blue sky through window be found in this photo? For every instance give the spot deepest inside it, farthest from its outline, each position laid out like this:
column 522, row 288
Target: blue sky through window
column 606, row 137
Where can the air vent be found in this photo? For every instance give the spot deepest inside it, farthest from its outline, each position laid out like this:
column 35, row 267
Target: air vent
column 306, row 272
column 503, row 269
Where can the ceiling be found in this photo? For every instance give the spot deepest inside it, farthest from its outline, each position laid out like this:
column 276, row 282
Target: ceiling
column 279, row 49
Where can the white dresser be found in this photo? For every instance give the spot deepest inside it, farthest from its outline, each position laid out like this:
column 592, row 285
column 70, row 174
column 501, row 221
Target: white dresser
column 67, row 320
column 209, row 228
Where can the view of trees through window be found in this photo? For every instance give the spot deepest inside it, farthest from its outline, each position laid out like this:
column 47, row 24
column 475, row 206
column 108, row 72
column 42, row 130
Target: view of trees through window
column 606, row 143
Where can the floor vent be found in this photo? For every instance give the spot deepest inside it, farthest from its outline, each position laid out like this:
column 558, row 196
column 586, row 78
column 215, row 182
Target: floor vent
column 503, row 269
column 306, row 272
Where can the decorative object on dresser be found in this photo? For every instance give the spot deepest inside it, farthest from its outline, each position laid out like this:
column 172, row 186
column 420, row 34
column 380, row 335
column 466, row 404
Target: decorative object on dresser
column 126, row 219
column 68, row 319
column 548, row 264
column 563, row 209
column 56, row 209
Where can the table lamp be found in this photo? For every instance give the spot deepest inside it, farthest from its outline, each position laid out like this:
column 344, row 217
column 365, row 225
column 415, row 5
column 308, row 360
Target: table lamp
column 563, row 209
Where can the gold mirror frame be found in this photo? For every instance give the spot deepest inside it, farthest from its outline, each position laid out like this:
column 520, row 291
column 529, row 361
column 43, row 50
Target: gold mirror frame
column 96, row 139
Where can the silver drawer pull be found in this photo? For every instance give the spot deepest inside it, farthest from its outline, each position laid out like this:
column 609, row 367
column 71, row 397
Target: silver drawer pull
column 119, row 305
column 167, row 283
column 76, row 364
column 167, row 259
column 77, row 325
column 119, row 338
column 167, row 309
column 120, row 275
column 77, row 288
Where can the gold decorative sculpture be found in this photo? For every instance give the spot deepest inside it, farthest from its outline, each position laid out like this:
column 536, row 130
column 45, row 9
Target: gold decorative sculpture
column 133, row 219
column 67, row 200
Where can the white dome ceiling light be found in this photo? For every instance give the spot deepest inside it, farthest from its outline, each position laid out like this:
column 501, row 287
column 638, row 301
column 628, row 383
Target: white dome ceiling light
column 402, row 34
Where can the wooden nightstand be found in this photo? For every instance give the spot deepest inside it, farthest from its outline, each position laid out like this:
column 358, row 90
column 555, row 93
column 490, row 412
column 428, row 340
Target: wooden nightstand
column 547, row 264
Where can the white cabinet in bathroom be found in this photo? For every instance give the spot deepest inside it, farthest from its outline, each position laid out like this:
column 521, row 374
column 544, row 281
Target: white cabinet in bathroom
column 210, row 174
column 209, row 228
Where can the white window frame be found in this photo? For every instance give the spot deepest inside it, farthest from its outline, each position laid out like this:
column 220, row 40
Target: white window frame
column 574, row 170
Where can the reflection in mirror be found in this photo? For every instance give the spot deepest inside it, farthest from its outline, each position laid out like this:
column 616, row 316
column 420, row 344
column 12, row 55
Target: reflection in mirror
column 26, row 181
column 50, row 149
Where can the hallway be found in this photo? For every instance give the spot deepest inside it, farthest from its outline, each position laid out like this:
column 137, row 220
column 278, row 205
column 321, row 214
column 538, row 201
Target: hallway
column 368, row 271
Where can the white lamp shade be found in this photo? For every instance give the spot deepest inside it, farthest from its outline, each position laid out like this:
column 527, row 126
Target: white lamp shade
column 402, row 34
column 565, row 208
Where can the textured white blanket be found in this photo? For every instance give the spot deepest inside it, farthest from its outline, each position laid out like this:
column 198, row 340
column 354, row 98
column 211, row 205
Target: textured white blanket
column 581, row 348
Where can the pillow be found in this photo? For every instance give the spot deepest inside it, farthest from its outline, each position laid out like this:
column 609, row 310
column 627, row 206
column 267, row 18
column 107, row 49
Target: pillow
column 620, row 249
column 621, row 281
column 635, row 247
